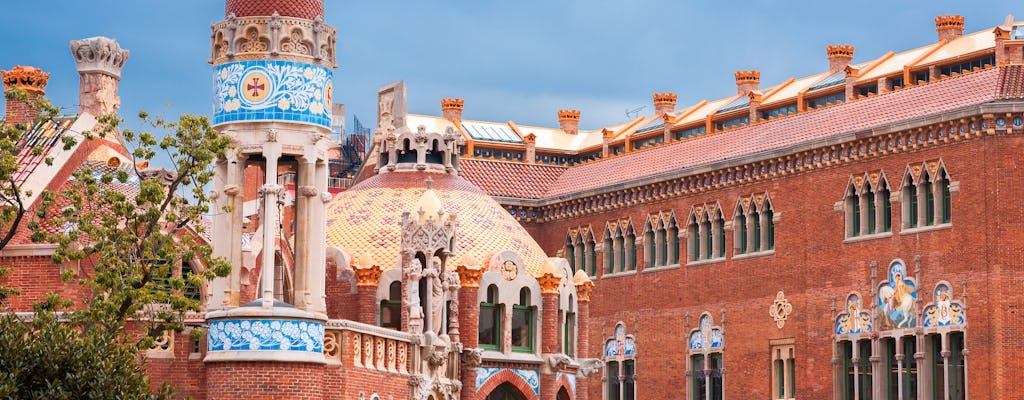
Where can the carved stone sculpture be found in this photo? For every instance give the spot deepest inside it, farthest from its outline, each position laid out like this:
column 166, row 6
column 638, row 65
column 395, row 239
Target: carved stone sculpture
column 589, row 366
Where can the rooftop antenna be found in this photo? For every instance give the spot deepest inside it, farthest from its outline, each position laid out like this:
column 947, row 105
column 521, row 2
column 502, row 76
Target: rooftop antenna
column 634, row 113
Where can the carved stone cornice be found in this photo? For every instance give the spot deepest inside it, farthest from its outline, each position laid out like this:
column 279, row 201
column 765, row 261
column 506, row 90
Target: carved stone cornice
column 275, row 36
column 99, row 54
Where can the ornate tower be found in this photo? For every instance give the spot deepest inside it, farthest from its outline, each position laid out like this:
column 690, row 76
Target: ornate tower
column 272, row 69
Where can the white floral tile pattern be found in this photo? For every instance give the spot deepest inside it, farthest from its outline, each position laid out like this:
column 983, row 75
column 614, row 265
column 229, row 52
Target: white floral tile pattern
column 265, row 334
column 272, row 90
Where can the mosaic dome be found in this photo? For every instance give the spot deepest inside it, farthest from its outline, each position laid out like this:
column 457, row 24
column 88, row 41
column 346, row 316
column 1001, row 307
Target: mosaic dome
column 367, row 218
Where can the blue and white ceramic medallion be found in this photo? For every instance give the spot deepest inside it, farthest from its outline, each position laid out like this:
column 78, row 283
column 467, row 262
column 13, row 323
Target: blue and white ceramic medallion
column 272, row 90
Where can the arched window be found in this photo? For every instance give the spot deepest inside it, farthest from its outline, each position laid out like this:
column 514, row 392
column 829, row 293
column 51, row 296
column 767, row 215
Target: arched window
column 620, row 365
column 926, row 196
column 629, row 249
column 867, row 207
column 754, row 225
column 609, row 250
column 705, row 365
column 706, row 232
column 910, row 202
column 391, row 308
column 490, row 321
column 570, row 252
column 522, row 323
column 569, row 329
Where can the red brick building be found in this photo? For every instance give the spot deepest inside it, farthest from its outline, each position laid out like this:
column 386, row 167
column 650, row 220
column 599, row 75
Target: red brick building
column 847, row 235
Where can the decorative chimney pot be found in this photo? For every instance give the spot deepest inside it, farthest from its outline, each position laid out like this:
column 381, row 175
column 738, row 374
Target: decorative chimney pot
column 30, row 79
column 949, row 27
column 747, row 81
column 569, row 121
column 100, row 61
column 451, row 109
column 839, row 56
column 664, row 102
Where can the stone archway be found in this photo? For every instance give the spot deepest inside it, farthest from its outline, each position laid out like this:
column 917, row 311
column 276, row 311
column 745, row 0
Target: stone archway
column 505, row 391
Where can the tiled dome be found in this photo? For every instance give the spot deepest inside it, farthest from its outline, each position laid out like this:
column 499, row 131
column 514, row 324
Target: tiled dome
column 308, row 9
column 367, row 217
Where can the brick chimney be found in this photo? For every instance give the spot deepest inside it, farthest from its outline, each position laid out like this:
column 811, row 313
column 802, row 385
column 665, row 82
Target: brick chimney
column 1007, row 51
column 839, row 56
column 747, row 81
column 949, row 27
column 569, row 121
column 100, row 61
column 664, row 102
column 33, row 81
column 451, row 109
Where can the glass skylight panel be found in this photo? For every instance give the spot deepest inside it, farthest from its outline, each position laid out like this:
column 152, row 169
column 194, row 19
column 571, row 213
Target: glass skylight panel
column 831, row 80
column 489, row 132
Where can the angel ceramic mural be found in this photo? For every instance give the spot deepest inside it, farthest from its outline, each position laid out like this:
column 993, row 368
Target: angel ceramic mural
column 896, row 298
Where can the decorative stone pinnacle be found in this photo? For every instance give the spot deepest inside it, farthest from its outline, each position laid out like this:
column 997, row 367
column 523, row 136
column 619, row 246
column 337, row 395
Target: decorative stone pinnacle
column 430, row 183
column 99, row 54
column 30, row 79
column 839, row 50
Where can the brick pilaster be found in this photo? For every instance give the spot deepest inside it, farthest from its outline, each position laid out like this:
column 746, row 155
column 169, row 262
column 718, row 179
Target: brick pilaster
column 367, row 278
column 469, row 319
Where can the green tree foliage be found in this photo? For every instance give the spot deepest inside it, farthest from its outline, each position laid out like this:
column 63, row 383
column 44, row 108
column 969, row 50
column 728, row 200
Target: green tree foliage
column 132, row 242
column 12, row 204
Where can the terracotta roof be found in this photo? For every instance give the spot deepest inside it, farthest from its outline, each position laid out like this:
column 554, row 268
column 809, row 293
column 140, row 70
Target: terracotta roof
column 43, row 136
column 1011, row 81
column 367, row 218
column 867, row 113
column 507, row 179
column 24, row 235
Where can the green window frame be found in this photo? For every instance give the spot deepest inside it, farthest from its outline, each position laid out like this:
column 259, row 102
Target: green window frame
column 630, row 251
column 769, row 217
column 570, row 254
column 694, row 242
column 929, row 203
column 757, row 231
column 568, row 328
column 674, row 239
column 522, row 323
column 872, row 223
column 866, row 373
column 609, row 256
column 855, row 218
column 629, row 380
column 846, row 349
column 390, row 313
column 708, row 239
column 741, row 220
column 721, row 237
column 912, row 208
column 946, row 205
column 614, row 388
column 492, row 309
column 663, row 244
column 651, row 247
column 886, row 211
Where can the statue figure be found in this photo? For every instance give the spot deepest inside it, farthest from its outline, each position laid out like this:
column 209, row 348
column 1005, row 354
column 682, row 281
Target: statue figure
column 437, row 298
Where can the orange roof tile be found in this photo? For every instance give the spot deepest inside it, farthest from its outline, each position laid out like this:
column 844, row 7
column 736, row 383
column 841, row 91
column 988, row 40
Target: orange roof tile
column 903, row 105
column 507, row 179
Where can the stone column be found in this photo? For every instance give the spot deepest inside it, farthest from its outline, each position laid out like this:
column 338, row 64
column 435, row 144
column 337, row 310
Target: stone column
column 304, row 190
column 549, row 283
column 318, row 236
column 270, row 192
column 583, row 288
column 469, row 319
column 367, row 279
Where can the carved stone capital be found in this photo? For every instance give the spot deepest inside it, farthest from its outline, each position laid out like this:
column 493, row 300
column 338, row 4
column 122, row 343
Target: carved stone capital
column 471, row 358
column 549, row 283
column 469, row 276
column 231, row 190
column 308, row 191
column 367, row 276
column 99, row 54
column 583, row 290
column 273, row 189
column 326, row 197
column 165, row 176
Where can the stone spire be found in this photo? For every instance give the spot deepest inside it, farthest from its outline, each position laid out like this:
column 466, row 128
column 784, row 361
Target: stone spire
column 100, row 61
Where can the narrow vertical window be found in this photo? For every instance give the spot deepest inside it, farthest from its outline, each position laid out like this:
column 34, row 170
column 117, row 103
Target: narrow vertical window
column 630, row 250
column 756, row 216
column 946, row 208
column 490, row 321
column 628, row 380
column 929, row 202
column 694, row 242
column 699, row 385
column 912, row 209
column 391, row 308
column 957, row 371
column 651, row 248
column 673, row 233
column 614, row 385
column 910, row 370
column 662, row 247
column 871, row 215
column 720, row 226
column 769, row 224
column 570, row 254
column 609, row 256
column 708, row 239
column 522, row 323
column 886, row 210
column 866, row 372
column 850, row 374
column 855, row 219
column 741, row 220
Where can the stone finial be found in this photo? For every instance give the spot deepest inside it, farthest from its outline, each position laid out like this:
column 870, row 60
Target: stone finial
column 583, row 285
column 569, row 121
column 664, row 102
column 29, row 79
column 747, row 81
column 949, row 27
column 839, row 56
column 99, row 54
column 451, row 109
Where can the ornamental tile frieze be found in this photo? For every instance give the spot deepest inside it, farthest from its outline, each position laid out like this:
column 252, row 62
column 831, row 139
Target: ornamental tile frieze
column 265, row 335
column 272, row 91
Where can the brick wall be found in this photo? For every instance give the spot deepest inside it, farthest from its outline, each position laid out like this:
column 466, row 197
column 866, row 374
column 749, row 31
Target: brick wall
column 811, row 264
column 264, row 381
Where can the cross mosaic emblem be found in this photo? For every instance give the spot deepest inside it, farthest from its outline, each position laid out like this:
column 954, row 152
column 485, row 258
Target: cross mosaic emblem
column 255, row 87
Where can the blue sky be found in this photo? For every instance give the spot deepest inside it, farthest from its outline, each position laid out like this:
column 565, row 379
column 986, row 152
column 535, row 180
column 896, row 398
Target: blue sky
column 510, row 60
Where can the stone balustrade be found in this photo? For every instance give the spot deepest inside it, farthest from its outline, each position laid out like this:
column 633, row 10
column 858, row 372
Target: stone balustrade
column 367, row 346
